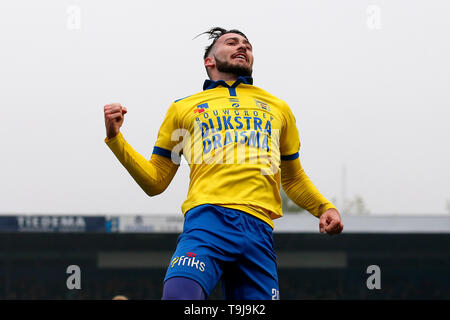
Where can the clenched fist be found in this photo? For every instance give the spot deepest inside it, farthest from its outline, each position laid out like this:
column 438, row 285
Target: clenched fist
column 330, row 222
column 114, row 117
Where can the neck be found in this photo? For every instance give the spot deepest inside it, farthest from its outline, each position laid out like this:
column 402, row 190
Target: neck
column 224, row 77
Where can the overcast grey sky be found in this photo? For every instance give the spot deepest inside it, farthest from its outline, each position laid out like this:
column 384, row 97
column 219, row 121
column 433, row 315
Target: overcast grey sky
column 368, row 83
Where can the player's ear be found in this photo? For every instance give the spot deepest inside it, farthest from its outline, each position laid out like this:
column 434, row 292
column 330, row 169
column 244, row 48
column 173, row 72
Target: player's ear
column 210, row 62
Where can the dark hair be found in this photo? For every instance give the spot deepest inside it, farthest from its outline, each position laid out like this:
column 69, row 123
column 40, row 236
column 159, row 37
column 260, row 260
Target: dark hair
column 215, row 33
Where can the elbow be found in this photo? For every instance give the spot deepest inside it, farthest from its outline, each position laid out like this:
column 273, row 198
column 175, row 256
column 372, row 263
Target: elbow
column 152, row 194
column 155, row 184
column 154, row 191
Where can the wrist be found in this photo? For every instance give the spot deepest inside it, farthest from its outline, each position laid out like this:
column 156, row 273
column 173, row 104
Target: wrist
column 326, row 207
column 112, row 135
column 111, row 138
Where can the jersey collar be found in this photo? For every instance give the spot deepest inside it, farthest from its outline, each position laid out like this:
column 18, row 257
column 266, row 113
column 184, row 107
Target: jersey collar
column 210, row 84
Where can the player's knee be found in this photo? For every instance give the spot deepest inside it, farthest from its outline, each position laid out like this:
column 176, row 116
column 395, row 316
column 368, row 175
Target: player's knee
column 179, row 288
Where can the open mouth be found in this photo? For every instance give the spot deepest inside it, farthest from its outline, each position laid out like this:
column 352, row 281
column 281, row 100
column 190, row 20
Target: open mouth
column 240, row 56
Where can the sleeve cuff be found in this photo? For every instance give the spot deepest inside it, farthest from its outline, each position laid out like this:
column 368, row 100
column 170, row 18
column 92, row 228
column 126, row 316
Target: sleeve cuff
column 327, row 207
column 114, row 139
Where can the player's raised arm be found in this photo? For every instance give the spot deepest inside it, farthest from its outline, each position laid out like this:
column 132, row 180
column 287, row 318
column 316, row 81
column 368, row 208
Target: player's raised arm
column 153, row 175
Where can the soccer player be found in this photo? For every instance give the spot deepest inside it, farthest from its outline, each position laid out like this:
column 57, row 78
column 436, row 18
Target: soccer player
column 241, row 144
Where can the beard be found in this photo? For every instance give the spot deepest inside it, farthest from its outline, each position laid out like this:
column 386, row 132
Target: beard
column 238, row 70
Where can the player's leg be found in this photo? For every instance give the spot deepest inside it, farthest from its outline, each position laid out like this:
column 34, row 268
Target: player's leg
column 180, row 288
column 254, row 276
column 191, row 261
column 202, row 248
column 248, row 281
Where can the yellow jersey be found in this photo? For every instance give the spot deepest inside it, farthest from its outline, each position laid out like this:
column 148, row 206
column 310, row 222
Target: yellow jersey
column 233, row 135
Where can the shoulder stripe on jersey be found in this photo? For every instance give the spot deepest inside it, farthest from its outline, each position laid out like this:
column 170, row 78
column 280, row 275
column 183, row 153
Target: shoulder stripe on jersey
column 290, row 157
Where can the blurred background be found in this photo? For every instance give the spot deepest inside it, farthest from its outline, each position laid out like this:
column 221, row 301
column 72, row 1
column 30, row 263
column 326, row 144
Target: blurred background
column 368, row 83
column 129, row 256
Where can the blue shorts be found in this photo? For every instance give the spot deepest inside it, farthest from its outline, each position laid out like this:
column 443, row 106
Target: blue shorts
column 225, row 244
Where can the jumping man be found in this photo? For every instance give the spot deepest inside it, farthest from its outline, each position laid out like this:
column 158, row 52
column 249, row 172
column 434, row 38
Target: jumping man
column 241, row 144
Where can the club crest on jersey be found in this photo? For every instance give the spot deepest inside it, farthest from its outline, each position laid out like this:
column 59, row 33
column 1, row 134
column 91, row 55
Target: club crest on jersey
column 262, row 105
column 234, row 102
column 201, row 108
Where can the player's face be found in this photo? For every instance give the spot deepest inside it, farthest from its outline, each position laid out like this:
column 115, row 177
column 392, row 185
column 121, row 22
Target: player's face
column 234, row 55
